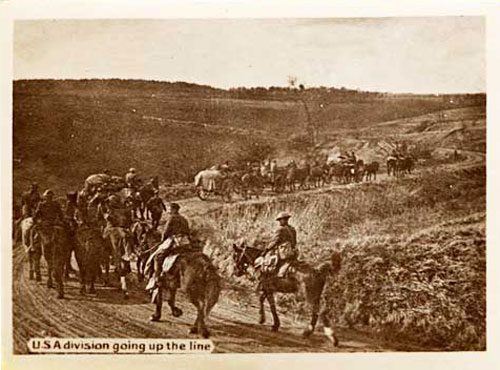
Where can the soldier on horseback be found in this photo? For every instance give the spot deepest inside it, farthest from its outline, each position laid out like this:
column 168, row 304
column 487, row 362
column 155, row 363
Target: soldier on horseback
column 118, row 216
column 47, row 214
column 283, row 245
column 175, row 238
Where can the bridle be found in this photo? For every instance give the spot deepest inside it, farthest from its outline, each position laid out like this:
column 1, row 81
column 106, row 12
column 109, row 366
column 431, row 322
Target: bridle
column 244, row 255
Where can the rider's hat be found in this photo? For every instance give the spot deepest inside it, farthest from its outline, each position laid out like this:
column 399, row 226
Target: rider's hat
column 132, row 169
column 283, row 215
column 175, row 206
column 48, row 193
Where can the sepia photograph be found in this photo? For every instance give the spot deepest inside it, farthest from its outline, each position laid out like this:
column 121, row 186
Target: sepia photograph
column 257, row 185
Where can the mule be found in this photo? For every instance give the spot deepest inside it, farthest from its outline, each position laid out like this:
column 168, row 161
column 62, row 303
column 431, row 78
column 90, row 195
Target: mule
column 122, row 243
column 90, row 252
column 144, row 194
column 309, row 279
column 55, row 244
column 195, row 274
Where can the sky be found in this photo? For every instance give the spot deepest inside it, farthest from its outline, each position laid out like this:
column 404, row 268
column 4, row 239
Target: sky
column 417, row 55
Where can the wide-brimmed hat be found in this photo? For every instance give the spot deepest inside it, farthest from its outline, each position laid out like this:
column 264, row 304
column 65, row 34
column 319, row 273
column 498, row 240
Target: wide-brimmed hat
column 47, row 193
column 283, row 215
column 132, row 169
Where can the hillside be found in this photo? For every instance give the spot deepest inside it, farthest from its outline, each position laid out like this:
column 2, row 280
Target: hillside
column 66, row 130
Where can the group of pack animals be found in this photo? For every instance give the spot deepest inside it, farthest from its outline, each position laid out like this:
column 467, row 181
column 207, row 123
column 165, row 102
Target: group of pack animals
column 254, row 180
column 193, row 271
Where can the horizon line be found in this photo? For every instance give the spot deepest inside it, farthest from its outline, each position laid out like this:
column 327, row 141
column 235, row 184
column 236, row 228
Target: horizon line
column 228, row 89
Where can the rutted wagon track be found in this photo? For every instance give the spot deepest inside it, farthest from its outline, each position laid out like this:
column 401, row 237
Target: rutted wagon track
column 37, row 313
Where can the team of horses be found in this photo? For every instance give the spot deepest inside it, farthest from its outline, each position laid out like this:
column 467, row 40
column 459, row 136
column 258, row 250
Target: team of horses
column 289, row 178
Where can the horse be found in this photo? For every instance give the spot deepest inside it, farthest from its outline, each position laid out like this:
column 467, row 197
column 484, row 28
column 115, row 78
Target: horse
column 300, row 175
column 317, row 175
column 309, row 279
column 405, row 166
column 371, row 170
column 276, row 178
column 192, row 271
column 34, row 252
column 90, row 252
column 143, row 195
column 359, row 170
column 56, row 246
column 251, row 183
column 155, row 211
column 391, row 165
column 122, row 242
column 336, row 171
column 146, row 239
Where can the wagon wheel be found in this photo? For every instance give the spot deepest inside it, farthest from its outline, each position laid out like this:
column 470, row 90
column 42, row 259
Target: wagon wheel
column 203, row 194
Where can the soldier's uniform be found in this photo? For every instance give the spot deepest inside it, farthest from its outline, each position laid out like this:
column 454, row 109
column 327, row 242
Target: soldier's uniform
column 118, row 216
column 284, row 245
column 47, row 214
column 176, row 234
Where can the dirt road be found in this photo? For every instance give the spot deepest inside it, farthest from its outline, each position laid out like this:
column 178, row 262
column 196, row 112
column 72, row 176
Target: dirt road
column 233, row 322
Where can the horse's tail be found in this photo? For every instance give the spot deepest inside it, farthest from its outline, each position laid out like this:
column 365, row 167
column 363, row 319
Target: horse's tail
column 213, row 289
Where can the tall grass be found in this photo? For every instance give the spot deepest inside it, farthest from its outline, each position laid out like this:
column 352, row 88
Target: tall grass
column 414, row 258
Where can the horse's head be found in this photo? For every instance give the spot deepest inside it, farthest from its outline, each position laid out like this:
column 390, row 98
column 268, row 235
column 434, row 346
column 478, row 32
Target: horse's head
column 241, row 259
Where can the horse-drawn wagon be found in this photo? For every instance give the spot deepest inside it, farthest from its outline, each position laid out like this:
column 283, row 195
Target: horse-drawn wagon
column 212, row 182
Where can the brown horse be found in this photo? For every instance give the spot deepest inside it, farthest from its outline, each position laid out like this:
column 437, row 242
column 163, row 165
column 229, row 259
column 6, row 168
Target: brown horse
column 318, row 175
column 193, row 272
column 391, row 165
column 309, row 279
column 55, row 247
column 371, row 170
column 144, row 194
column 251, row 183
column 297, row 175
column 405, row 166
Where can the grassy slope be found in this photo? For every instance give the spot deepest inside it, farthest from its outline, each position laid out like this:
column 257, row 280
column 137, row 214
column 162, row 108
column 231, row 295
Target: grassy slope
column 413, row 253
column 66, row 130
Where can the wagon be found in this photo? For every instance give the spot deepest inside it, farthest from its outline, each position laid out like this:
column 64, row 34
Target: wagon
column 212, row 182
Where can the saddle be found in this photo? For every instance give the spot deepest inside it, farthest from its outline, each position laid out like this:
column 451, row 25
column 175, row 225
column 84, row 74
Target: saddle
column 278, row 261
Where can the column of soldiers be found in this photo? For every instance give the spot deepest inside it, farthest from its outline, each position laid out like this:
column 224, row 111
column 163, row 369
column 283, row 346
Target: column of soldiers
column 105, row 210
